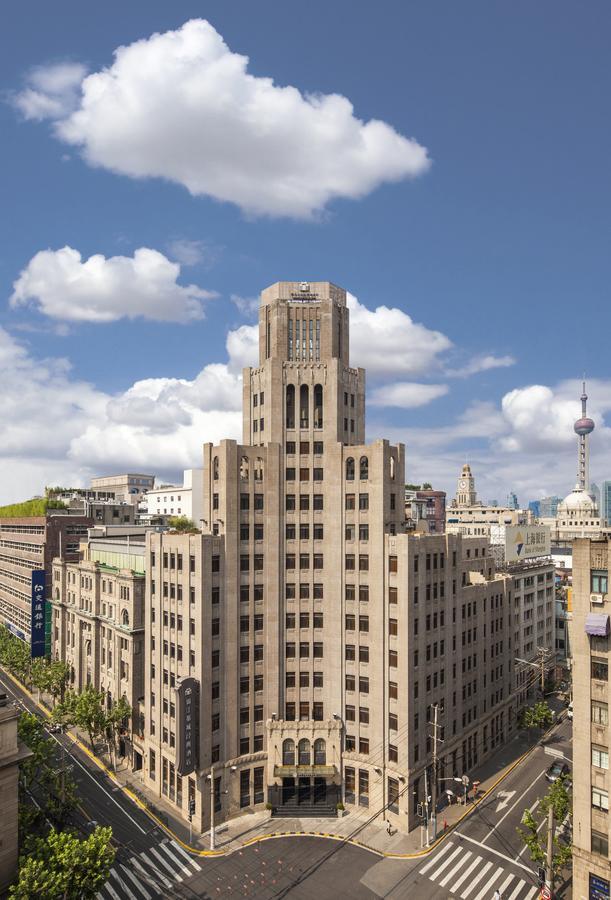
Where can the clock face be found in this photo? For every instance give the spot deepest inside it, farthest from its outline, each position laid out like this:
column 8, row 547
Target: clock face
column 463, row 484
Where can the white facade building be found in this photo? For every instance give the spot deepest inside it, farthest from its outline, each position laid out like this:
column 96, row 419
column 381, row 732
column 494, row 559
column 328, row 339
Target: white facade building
column 177, row 500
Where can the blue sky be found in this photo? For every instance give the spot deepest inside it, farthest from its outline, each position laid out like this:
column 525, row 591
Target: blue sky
column 500, row 245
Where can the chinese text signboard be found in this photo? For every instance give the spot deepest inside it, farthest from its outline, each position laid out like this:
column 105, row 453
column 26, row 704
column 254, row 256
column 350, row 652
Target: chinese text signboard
column 526, row 542
column 187, row 715
column 38, row 622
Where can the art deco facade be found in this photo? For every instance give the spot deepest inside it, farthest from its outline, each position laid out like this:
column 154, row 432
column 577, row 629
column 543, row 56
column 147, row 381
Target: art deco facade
column 591, row 701
column 320, row 634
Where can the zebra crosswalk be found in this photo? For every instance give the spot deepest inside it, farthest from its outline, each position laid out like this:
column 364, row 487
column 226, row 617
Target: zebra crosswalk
column 147, row 875
column 465, row 874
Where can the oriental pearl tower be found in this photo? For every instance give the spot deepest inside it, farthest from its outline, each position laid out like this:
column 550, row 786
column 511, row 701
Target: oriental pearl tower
column 583, row 427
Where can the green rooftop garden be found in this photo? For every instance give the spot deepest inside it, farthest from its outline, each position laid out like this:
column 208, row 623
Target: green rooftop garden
column 36, row 507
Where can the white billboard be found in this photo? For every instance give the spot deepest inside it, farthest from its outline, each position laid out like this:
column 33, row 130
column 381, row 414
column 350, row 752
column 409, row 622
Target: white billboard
column 526, row 542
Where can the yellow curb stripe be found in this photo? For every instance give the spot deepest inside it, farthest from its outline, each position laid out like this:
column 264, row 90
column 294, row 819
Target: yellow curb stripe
column 278, row 834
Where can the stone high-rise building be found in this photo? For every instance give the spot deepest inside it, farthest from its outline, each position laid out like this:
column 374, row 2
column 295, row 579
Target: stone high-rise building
column 313, row 635
column 591, row 699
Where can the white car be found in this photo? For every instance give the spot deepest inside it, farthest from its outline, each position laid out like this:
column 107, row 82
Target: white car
column 569, row 712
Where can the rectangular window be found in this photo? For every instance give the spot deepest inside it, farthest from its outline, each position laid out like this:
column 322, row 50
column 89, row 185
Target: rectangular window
column 600, row 846
column 318, row 502
column 363, row 562
column 599, row 669
column 598, row 581
column 350, row 501
column 392, row 564
column 600, row 713
column 304, row 502
column 363, row 784
column 290, row 503
column 600, row 757
column 600, row 799
column 363, row 501
column 349, row 784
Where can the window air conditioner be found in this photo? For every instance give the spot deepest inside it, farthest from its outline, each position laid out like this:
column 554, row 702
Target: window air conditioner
column 596, row 598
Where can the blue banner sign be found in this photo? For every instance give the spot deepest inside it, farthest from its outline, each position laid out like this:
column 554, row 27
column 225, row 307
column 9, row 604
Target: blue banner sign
column 599, row 888
column 38, row 613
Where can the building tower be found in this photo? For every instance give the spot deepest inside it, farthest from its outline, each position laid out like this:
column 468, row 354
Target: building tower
column 465, row 494
column 583, row 427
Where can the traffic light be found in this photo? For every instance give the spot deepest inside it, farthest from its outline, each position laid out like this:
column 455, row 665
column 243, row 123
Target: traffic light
column 541, row 876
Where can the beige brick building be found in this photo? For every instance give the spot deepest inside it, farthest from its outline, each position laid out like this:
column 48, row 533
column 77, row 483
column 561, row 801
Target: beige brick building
column 318, row 633
column 591, row 700
column 97, row 619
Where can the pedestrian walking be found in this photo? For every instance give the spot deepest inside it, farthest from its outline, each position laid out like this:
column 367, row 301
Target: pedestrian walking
column 497, row 895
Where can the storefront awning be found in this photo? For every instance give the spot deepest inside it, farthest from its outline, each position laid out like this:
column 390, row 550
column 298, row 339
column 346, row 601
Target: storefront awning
column 597, row 624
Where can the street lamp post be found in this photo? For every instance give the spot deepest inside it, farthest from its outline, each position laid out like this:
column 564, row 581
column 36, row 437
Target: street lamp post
column 212, row 835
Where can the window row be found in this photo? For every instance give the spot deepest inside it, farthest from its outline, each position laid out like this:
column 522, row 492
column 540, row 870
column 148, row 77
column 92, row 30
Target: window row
column 317, row 502
column 317, row 560
column 304, row 650
column 304, row 448
column 304, row 406
column 303, row 708
column 304, row 752
column 304, row 474
column 304, row 620
column 304, row 679
column 317, row 531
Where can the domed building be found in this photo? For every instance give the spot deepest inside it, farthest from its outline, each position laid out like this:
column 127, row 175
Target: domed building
column 578, row 515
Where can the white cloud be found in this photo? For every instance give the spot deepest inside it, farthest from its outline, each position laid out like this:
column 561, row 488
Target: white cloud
column 51, row 92
column 243, row 346
column 194, row 253
column 248, row 306
column 387, row 341
column 481, row 364
column 182, row 106
column 406, row 394
column 63, row 286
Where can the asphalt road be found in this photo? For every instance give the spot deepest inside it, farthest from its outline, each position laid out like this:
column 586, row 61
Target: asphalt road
column 483, row 854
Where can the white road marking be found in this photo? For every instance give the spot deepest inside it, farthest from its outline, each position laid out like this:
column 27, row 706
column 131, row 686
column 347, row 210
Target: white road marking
column 531, row 893
column 517, row 890
column 505, row 797
column 508, row 859
column 445, row 863
column 111, row 891
column 534, row 806
column 436, row 858
column 496, row 874
column 123, row 886
column 466, row 874
column 476, row 881
column 513, row 806
column 185, row 870
column 136, row 883
column 166, row 865
column 189, row 859
column 455, row 868
column 505, row 884
column 158, row 875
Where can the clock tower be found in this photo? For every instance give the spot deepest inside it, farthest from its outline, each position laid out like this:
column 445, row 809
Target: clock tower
column 465, row 495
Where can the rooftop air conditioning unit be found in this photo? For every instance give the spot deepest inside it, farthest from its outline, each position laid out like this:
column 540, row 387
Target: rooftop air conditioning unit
column 596, row 598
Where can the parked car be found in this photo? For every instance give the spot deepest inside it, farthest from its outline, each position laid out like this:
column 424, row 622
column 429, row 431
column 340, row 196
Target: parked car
column 557, row 770
column 569, row 711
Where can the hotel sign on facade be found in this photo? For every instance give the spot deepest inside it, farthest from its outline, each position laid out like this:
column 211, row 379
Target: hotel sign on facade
column 187, row 721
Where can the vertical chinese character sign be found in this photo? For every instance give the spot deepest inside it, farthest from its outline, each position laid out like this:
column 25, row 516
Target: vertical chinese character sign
column 38, row 613
column 187, row 715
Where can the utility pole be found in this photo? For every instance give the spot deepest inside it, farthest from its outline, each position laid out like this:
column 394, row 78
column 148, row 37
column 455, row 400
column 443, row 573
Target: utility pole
column 211, row 776
column 426, row 803
column 549, row 872
column 434, row 785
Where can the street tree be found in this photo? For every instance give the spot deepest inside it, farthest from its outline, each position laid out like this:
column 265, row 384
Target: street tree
column 84, row 710
column 559, row 801
column 41, row 777
column 63, row 867
column 51, row 676
column 538, row 716
column 117, row 717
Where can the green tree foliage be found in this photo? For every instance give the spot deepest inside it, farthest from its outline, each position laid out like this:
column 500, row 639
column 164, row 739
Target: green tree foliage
column 559, row 800
column 41, row 777
column 36, row 507
column 85, row 710
column 15, row 655
column 63, row 867
column 182, row 524
column 51, row 676
column 537, row 716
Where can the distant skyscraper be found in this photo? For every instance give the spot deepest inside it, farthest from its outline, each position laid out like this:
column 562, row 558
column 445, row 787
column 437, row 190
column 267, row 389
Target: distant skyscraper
column 535, row 507
column 595, row 494
column 548, row 506
column 512, row 500
column 605, row 502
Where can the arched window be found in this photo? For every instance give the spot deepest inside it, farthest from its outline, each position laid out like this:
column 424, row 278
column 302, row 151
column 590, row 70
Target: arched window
column 350, row 469
column 304, row 752
column 258, row 469
column 304, row 406
column 290, row 406
column 318, row 406
column 288, row 752
column 87, row 648
column 320, row 752
column 391, row 466
column 215, row 468
column 364, row 468
column 125, row 617
column 244, row 467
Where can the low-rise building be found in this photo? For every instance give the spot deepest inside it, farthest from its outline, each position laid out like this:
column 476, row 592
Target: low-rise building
column 127, row 488
column 169, row 500
column 466, row 515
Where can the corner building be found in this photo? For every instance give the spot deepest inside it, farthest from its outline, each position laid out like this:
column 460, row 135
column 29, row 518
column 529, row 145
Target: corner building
column 316, row 668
